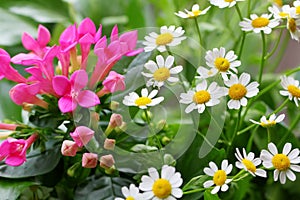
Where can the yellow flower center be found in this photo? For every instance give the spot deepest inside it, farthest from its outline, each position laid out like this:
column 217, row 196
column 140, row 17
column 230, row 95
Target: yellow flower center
column 298, row 10
column 129, row 198
column 161, row 74
column 229, row 1
column 292, row 25
column 142, row 101
column 164, row 38
column 295, row 91
column 237, row 91
column 268, row 124
column 201, row 97
column 220, row 177
column 162, row 188
column 281, row 162
column 260, row 22
column 278, row 2
column 222, row 64
column 283, row 14
column 249, row 165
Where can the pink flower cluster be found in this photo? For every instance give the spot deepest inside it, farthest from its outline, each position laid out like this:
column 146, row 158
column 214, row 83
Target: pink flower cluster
column 68, row 79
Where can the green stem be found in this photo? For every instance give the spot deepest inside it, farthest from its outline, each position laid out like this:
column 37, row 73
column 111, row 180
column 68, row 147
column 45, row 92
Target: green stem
column 275, row 46
column 194, row 191
column 235, row 128
column 269, row 135
column 262, row 61
column 246, row 129
column 249, row 145
column 199, row 33
column 249, row 8
column 242, row 45
column 281, row 106
column 239, row 11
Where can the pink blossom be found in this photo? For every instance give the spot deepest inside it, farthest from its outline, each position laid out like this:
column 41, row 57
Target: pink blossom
column 10, row 127
column 72, row 93
column 69, row 148
column 23, row 93
column 89, row 160
column 14, row 150
column 82, row 135
column 107, row 161
column 114, row 82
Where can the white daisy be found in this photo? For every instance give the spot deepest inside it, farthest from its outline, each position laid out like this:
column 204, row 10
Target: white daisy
column 164, row 187
column 292, row 89
column 296, row 4
column 292, row 25
column 249, row 163
column 219, row 176
column 257, row 24
column 131, row 193
column 239, row 89
column 281, row 12
column 202, row 97
column 224, row 3
column 145, row 100
column 195, row 12
column 223, row 62
column 284, row 163
column 270, row 122
column 169, row 36
column 161, row 71
column 206, row 73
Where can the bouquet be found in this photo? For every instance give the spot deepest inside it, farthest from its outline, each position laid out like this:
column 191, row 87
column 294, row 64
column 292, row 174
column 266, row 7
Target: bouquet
column 188, row 111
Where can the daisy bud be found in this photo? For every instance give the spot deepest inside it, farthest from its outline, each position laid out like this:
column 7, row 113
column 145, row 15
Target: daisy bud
column 107, row 161
column 69, row 148
column 89, row 160
column 82, row 135
column 109, row 144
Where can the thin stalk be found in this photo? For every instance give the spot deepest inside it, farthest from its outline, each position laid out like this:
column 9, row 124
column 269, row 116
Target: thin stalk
column 250, row 141
column 242, row 45
column 269, row 136
column 281, row 106
column 239, row 11
column 199, row 33
column 275, row 46
column 293, row 125
column 194, row 191
column 249, row 8
column 262, row 61
column 235, row 128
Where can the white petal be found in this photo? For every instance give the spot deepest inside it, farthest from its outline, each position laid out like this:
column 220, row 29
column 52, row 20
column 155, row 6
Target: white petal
column 147, row 195
column 167, row 172
column 208, row 184
column 272, row 148
column 208, row 171
column 280, row 118
column 215, row 190
column 287, row 148
column 190, row 108
column 244, row 79
column 224, row 188
column 169, row 61
column 177, row 192
column 290, row 175
column 261, row 173
column 173, row 79
column 266, row 156
column 144, row 92
column 153, row 173
column 152, row 94
column 234, row 104
column 224, row 165
column 156, row 101
column 293, row 154
column 276, row 174
column 295, row 168
column 176, row 70
column 213, row 166
column 160, row 61
column 151, row 66
column 282, row 177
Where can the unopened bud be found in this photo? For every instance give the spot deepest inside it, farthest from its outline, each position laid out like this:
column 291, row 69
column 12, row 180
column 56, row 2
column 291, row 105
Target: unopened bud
column 147, row 116
column 165, row 140
column 109, row 144
column 69, row 148
column 107, row 161
column 161, row 124
column 115, row 120
column 114, row 105
column 89, row 160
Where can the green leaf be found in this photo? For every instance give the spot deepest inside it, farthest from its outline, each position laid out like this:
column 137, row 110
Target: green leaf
column 37, row 163
column 11, row 189
column 210, row 196
column 105, row 188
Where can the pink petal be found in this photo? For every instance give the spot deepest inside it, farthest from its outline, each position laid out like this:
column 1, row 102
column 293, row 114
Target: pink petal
column 61, row 85
column 15, row 160
column 87, row 99
column 66, row 104
column 98, row 34
column 68, row 39
column 4, row 148
column 134, row 52
column 79, row 80
column 86, row 26
column 44, row 36
column 114, row 34
column 29, row 42
column 130, row 38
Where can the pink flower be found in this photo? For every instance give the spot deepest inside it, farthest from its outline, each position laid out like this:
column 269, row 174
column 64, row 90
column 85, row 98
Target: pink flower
column 114, row 82
column 72, row 93
column 89, row 160
column 107, row 161
column 23, row 93
column 11, row 127
column 14, row 150
column 82, row 135
column 69, row 148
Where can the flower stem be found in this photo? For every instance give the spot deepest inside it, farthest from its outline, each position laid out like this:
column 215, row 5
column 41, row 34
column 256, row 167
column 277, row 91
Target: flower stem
column 194, row 191
column 239, row 11
column 249, row 145
column 235, row 128
column 275, row 46
column 242, row 45
column 262, row 61
column 269, row 135
column 199, row 33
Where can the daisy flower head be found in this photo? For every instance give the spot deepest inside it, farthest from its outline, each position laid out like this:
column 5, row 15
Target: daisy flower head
column 203, row 96
column 195, row 12
column 224, row 3
column 296, row 4
column 161, row 71
column 292, row 25
column 239, row 89
column 222, row 62
column 258, row 24
column 220, row 179
column 206, row 73
column 281, row 12
column 272, row 121
column 249, row 163
column 133, row 99
column 284, row 163
column 169, row 36
column 292, row 89
column 164, row 187
column 131, row 193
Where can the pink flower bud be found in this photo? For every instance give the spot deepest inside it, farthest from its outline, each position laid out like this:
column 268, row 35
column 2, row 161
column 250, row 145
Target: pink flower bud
column 109, row 144
column 89, row 160
column 82, row 135
column 115, row 120
column 69, row 148
column 114, row 82
column 107, row 161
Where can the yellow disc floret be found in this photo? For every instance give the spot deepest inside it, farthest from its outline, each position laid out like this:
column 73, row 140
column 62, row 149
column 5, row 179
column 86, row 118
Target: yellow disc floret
column 260, row 22
column 161, row 74
column 142, row 101
column 268, row 124
column 129, row 198
column 201, row 97
column 229, row 1
column 222, row 64
column 220, row 177
column 298, row 10
column 295, row 91
column 292, row 26
column 162, row 188
column 249, row 165
column 164, row 38
column 237, row 91
column 281, row 162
